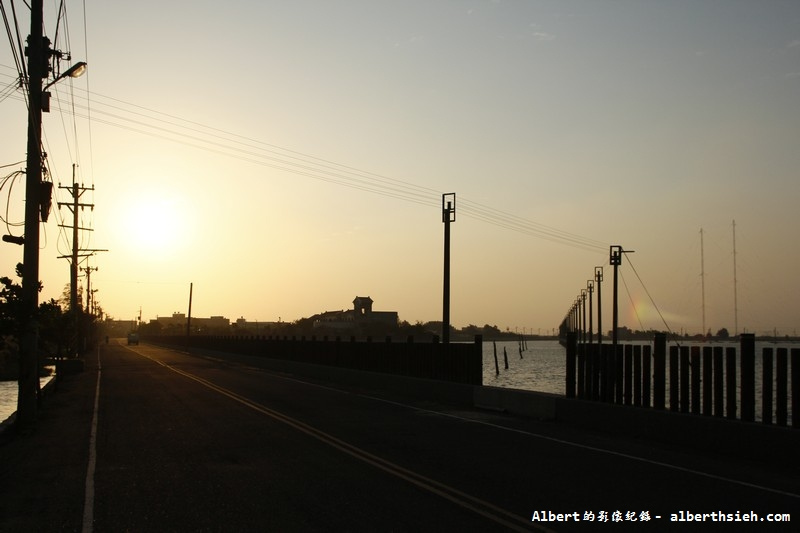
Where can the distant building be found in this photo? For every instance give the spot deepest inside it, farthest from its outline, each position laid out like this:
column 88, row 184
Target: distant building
column 360, row 317
column 255, row 328
column 178, row 321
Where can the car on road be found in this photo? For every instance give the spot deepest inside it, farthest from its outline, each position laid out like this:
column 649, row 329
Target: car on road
column 133, row 338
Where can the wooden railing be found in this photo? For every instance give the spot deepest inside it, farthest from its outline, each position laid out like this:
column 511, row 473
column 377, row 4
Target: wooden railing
column 702, row 380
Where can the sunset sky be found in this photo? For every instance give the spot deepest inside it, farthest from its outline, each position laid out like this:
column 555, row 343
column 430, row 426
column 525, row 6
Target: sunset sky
column 285, row 157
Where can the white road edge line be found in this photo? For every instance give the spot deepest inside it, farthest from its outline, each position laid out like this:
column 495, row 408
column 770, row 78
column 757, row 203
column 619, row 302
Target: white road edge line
column 88, row 499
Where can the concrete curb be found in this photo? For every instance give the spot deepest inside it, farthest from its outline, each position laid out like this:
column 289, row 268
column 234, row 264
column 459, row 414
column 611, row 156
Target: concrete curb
column 748, row 440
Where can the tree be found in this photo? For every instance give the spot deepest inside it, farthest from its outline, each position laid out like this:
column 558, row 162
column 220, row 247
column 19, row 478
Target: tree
column 723, row 334
column 11, row 307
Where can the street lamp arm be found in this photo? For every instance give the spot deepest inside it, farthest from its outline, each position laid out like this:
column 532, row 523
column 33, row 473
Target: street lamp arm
column 75, row 71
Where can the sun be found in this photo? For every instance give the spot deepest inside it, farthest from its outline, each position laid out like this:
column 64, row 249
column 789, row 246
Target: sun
column 155, row 224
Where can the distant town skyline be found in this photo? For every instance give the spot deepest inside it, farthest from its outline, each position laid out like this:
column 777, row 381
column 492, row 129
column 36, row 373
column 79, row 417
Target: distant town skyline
column 283, row 157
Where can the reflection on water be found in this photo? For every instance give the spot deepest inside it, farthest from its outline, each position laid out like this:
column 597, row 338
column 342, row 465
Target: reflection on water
column 541, row 367
column 8, row 396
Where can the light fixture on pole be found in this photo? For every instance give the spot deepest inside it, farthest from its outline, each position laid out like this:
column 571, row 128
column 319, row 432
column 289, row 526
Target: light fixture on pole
column 75, row 71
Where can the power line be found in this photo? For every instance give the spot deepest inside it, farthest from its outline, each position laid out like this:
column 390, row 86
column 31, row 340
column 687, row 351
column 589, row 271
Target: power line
column 146, row 121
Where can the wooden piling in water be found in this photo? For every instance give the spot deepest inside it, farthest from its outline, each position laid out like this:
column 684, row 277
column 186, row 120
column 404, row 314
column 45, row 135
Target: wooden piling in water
column 747, row 363
column 496, row 366
column 505, row 357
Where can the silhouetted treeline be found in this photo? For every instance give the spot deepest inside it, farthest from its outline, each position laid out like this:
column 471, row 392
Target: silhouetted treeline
column 306, row 327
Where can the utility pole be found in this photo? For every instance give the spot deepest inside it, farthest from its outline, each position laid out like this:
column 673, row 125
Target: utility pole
column 76, row 192
column 448, row 216
column 88, row 271
column 38, row 50
column 189, row 317
column 37, row 200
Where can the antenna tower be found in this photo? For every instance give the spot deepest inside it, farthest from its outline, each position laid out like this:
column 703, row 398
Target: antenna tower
column 735, row 291
column 703, row 280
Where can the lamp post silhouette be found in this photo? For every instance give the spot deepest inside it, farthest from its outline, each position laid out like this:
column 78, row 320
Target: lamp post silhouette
column 39, row 54
column 448, row 216
column 598, row 282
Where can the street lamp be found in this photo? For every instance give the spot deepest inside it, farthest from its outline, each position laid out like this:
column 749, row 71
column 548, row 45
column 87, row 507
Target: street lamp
column 75, row 71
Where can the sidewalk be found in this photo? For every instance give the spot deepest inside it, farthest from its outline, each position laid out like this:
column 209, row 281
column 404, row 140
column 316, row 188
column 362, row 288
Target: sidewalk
column 43, row 472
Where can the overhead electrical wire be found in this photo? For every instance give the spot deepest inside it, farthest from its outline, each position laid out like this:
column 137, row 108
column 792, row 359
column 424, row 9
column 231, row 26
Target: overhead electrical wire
column 142, row 120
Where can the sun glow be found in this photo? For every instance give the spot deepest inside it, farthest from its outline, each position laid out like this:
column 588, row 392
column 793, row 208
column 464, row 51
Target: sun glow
column 155, row 225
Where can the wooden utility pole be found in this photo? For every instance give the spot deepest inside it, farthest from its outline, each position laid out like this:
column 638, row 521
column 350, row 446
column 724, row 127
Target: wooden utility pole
column 448, row 216
column 76, row 191
column 38, row 56
column 189, row 317
column 88, row 271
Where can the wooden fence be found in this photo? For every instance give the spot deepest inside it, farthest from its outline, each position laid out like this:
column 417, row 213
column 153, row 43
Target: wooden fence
column 454, row 362
column 702, row 380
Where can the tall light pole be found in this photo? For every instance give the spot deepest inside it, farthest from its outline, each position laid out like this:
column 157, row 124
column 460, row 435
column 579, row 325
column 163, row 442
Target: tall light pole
column 39, row 54
column 590, row 290
column 448, row 216
column 598, row 282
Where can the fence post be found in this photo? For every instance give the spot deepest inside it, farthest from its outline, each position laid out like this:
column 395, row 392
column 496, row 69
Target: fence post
column 637, row 375
column 646, row 376
column 695, row 368
column 581, row 372
column 796, row 388
column 674, row 378
column 782, row 378
column 748, row 379
column 659, row 370
column 477, row 365
column 730, row 381
column 766, row 385
column 619, row 373
column 707, row 380
column 719, row 383
column 628, row 375
column 572, row 345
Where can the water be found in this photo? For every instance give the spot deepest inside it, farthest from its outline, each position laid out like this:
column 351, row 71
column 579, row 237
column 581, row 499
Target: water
column 8, row 397
column 543, row 369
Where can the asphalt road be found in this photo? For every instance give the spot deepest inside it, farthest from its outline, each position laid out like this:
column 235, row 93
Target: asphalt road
column 186, row 443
